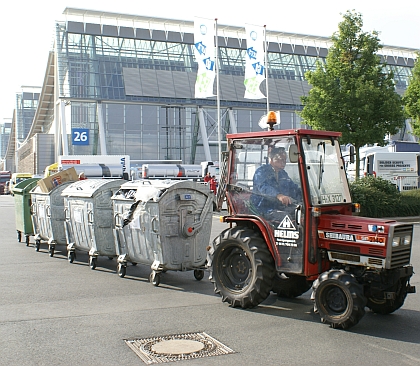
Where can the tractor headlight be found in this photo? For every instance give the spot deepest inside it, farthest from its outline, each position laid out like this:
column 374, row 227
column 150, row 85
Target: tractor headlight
column 407, row 240
column 396, row 241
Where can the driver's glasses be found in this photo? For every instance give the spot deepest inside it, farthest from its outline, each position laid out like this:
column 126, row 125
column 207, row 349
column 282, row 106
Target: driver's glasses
column 279, row 157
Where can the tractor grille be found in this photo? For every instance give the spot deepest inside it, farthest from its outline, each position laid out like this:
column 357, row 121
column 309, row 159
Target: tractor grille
column 346, row 257
column 345, row 248
column 400, row 255
column 375, row 262
column 377, row 252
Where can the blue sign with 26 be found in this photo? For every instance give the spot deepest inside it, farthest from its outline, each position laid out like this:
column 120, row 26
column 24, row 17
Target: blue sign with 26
column 80, row 136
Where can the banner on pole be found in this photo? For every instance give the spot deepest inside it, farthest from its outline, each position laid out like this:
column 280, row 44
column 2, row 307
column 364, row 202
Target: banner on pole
column 254, row 66
column 204, row 32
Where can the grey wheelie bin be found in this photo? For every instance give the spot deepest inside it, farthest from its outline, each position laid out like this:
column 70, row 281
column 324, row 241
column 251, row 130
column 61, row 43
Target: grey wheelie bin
column 89, row 218
column 21, row 192
column 163, row 223
column 48, row 216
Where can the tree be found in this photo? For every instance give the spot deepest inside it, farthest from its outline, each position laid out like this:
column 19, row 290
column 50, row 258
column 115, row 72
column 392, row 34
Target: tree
column 352, row 92
column 411, row 98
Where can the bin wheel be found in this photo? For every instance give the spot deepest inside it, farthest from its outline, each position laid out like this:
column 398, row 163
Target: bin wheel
column 37, row 245
column 110, row 258
column 19, row 236
column 121, row 270
column 198, row 274
column 133, row 263
column 27, row 240
column 71, row 256
column 51, row 250
column 154, row 278
column 92, row 262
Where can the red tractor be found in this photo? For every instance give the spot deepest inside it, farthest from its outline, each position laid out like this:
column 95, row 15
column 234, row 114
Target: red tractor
column 304, row 232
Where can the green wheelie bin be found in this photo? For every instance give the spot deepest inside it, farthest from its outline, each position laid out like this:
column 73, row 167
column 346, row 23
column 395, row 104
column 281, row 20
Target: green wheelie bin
column 23, row 216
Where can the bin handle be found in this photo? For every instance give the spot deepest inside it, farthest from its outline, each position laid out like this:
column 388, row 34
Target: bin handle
column 153, row 221
column 117, row 220
column 209, row 202
column 33, row 209
column 48, row 211
column 90, row 216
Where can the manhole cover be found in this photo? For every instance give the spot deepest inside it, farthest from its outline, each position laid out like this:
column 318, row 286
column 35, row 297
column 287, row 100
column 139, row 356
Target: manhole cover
column 177, row 347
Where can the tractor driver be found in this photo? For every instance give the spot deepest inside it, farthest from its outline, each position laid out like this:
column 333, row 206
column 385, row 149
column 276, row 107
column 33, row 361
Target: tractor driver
column 273, row 189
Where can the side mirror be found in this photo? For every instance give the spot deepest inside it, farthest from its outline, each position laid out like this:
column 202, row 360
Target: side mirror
column 293, row 154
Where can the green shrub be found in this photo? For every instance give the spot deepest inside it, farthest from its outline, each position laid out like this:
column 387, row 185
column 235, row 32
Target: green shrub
column 410, row 202
column 380, row 198
column 413, row 193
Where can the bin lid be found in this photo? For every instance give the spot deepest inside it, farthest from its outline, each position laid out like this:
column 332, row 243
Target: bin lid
column 88, row 187
column 157, row 183
column 25, row 186
column 146, row 189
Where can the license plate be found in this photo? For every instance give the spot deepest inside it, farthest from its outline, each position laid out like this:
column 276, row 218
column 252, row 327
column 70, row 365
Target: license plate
column 331, row 198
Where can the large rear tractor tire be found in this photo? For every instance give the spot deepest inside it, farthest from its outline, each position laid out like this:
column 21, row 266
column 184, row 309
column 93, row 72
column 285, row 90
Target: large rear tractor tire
column 388, row 306
column 339, row 299
column 290, row 286
column 241, row 267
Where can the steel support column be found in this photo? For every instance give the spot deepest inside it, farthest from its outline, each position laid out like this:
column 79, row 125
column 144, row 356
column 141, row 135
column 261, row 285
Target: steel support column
column 204, row 135
column 101, row 128
column 232, row 120
column 63, row 128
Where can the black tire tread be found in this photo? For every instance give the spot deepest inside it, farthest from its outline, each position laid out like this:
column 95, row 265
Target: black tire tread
column 261, row 260
column 345, row 279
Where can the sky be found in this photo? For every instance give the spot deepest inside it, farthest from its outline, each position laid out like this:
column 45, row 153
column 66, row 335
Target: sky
column 27, row 26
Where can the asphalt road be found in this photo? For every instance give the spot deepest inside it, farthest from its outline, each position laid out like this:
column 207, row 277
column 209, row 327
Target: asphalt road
column 56, row 313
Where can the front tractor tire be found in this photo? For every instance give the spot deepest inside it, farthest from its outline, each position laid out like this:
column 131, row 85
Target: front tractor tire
column 241, row 267
column 339, row 299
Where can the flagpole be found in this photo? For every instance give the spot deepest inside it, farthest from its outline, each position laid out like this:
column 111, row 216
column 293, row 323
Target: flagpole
column 266, row 66
column 218, row 96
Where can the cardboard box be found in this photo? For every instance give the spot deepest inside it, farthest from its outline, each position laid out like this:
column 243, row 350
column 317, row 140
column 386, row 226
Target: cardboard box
column 48, row 183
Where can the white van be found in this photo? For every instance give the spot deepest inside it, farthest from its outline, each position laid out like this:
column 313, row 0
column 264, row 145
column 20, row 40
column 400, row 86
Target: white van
column 400, row 168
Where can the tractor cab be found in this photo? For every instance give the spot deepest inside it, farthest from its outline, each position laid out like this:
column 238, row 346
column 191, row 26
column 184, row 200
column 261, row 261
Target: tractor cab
column 312, row 177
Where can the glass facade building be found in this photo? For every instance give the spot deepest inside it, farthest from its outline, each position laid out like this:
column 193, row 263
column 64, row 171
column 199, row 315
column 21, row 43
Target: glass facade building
column 26, row 106
column 5, row 129
column 127, row 83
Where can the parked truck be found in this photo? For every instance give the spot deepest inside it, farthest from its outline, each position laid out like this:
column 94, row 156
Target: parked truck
column 315, row 240
column 97, row 166
column 180, row 171
column 5, row 176
column 171, row 171
column 137, row 166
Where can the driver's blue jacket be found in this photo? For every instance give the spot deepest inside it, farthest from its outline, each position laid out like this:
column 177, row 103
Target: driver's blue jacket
column 267, row 184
